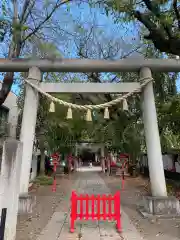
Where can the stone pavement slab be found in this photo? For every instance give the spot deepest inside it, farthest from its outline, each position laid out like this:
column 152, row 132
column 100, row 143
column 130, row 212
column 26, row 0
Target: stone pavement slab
column 66, row 235
column 52, row 229
column 107, row 231
column 90, row 233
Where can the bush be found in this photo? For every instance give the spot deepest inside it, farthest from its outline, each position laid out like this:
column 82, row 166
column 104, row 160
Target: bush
column 44, row 180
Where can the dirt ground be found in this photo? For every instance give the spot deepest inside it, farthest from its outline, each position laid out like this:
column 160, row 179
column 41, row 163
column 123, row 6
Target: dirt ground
column 30, row 226
column 150, row 229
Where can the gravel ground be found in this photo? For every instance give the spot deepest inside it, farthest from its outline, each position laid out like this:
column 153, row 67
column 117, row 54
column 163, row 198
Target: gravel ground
column 30, row 226
column 150, row 229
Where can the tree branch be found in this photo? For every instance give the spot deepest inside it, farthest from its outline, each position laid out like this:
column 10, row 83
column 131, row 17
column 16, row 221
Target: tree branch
column 27, row 7
column 57, row 5
column 157, row 36
column 154, row 8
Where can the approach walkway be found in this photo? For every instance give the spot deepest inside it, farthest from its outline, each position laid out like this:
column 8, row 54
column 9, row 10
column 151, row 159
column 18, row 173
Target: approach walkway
column 58, row 227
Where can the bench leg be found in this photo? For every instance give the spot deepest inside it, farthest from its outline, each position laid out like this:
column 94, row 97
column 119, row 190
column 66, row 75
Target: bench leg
column 72, row 226
column 118, row 225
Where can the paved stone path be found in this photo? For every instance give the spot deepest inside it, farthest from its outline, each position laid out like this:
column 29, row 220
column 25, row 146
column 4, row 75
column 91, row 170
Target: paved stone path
column 58, row 226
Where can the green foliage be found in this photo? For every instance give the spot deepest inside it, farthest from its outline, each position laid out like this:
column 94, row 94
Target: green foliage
column 161, row 18
column 44, row 180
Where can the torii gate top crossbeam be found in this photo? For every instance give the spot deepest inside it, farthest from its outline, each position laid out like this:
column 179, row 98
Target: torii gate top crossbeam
column 87, row 65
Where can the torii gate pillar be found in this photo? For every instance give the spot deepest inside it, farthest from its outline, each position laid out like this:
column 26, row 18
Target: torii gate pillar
column 27, row 137
column 156, row 169
column 158, row 203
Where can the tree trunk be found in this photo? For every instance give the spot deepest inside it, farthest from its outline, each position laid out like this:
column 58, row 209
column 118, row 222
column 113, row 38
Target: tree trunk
column 42, row 160
column 42, row 165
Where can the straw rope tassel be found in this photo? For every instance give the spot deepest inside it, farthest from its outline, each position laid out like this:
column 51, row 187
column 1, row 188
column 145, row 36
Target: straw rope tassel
column 88, row 116
column 69, row 113
column 125, row 105
column 52, row 107
column 106, row 113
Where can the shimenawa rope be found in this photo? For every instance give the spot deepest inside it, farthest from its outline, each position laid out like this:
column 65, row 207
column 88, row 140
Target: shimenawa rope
column 91, row 107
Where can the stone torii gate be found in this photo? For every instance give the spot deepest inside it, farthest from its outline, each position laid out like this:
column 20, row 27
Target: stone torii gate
column 158, row 203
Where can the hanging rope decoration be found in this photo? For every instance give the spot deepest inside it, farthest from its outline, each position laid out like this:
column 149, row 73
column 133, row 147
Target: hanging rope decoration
column 69, row 113
column 106, row 113
column 52, row 107
column 89, row 108
column 125, row 105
